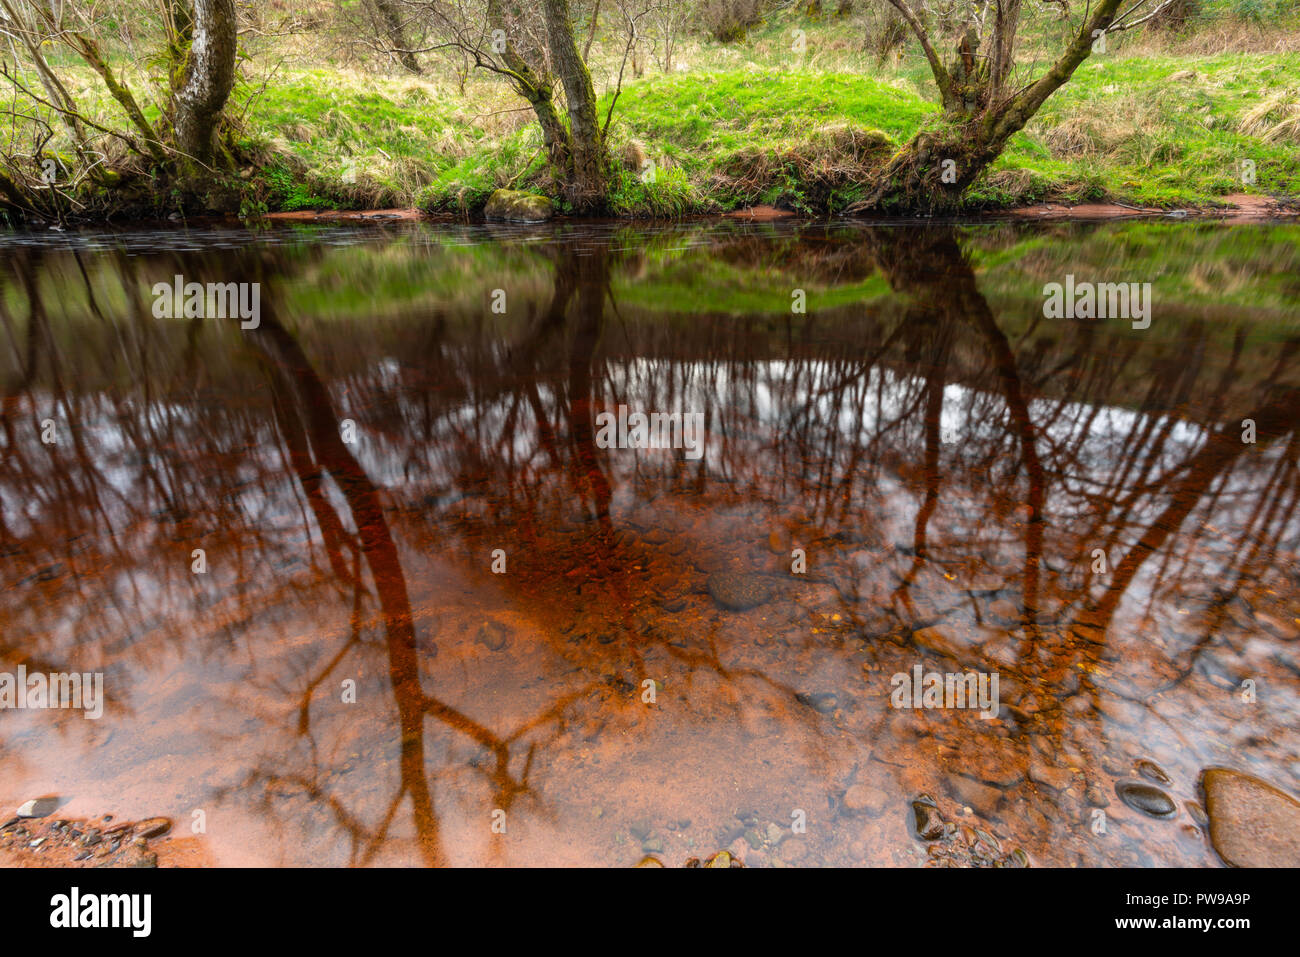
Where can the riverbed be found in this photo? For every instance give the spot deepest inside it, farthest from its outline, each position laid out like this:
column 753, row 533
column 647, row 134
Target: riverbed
column 367, row 584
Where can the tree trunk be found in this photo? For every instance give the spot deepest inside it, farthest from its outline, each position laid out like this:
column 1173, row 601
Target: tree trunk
column 588, row 186
column 208, row 78
column 394, row 30
column 932, row 172
column 537, row 91
column 12, row 195
column 554, row 136
column 591, row 30
column 1002, row 59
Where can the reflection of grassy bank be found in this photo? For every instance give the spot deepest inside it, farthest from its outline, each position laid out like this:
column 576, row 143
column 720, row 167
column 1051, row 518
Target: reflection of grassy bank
column 688, row 291
column 1196, row 270
column 725, row 268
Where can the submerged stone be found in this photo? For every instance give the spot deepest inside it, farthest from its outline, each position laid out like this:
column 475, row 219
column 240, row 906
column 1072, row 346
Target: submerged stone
column 928, row 822
column 39, row 807
column 723, row 859
column 1252, row 823
column 1152, row 772
column 153, row 827
column 514, row 206
column 824, row 702
column 1146, row 798
column 493, row 635
column 739, row 591
column 865, row 798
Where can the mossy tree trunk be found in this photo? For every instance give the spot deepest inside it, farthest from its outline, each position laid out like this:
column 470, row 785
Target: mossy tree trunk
column 394, row 29
column 207, row 77
column 537, row 88
column 576, row 150
column 588, row 186
column 933, row 171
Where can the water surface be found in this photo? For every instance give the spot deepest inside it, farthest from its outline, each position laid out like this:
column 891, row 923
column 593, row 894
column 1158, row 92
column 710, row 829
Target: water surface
column 398, row 487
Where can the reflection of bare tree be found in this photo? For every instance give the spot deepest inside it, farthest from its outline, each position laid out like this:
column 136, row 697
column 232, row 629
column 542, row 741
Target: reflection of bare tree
column 304, row 409
column 1113, row 515
column 300, row 388
column 909, row 266
column 842, row 426
column 1275, row 421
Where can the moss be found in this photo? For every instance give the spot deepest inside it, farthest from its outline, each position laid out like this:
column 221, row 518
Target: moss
column 1122, row 130
column 755, row 123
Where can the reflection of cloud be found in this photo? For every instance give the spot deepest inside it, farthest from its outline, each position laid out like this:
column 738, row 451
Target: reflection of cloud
column 901, row 457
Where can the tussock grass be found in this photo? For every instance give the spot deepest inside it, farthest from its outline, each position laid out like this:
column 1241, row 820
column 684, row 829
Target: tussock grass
column 1166, row 131
column 823, row 169
column 1276, row 118
column 1166, row 118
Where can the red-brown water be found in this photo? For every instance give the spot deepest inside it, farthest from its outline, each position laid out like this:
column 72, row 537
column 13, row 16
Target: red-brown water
column 1068, row 503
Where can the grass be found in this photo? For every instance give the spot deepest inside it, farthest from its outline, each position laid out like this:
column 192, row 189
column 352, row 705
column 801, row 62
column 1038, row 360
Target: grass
column 1165, row 132
column 756, row 122
column 1156, row 130
column 763, row 136
column 363, row 140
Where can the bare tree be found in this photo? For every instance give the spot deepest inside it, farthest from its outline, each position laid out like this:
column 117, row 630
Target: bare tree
column 392, row 25
column 534, row 49
column 983, row 104
column 207, row 79
column 669, row 20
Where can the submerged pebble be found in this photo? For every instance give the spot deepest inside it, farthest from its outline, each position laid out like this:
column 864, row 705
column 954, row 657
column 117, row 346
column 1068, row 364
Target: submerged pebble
column 822, row 701
column 1252, row 823
column 1152, row 772
column 739, row 591
column 153, row 827
column 1146, row 798
column 493, row 635
column 927, row 822
column 39, row 807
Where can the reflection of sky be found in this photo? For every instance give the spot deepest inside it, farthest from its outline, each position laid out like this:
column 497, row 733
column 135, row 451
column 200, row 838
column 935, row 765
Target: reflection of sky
column 153, row 589
column 771, row 395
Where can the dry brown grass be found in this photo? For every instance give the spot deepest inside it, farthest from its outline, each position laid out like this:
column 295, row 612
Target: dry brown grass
column 1214, row 37
column 1276, row 118
column 1103, row 133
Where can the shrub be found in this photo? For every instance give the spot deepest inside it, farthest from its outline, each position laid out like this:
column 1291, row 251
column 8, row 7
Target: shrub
column 729, row 20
